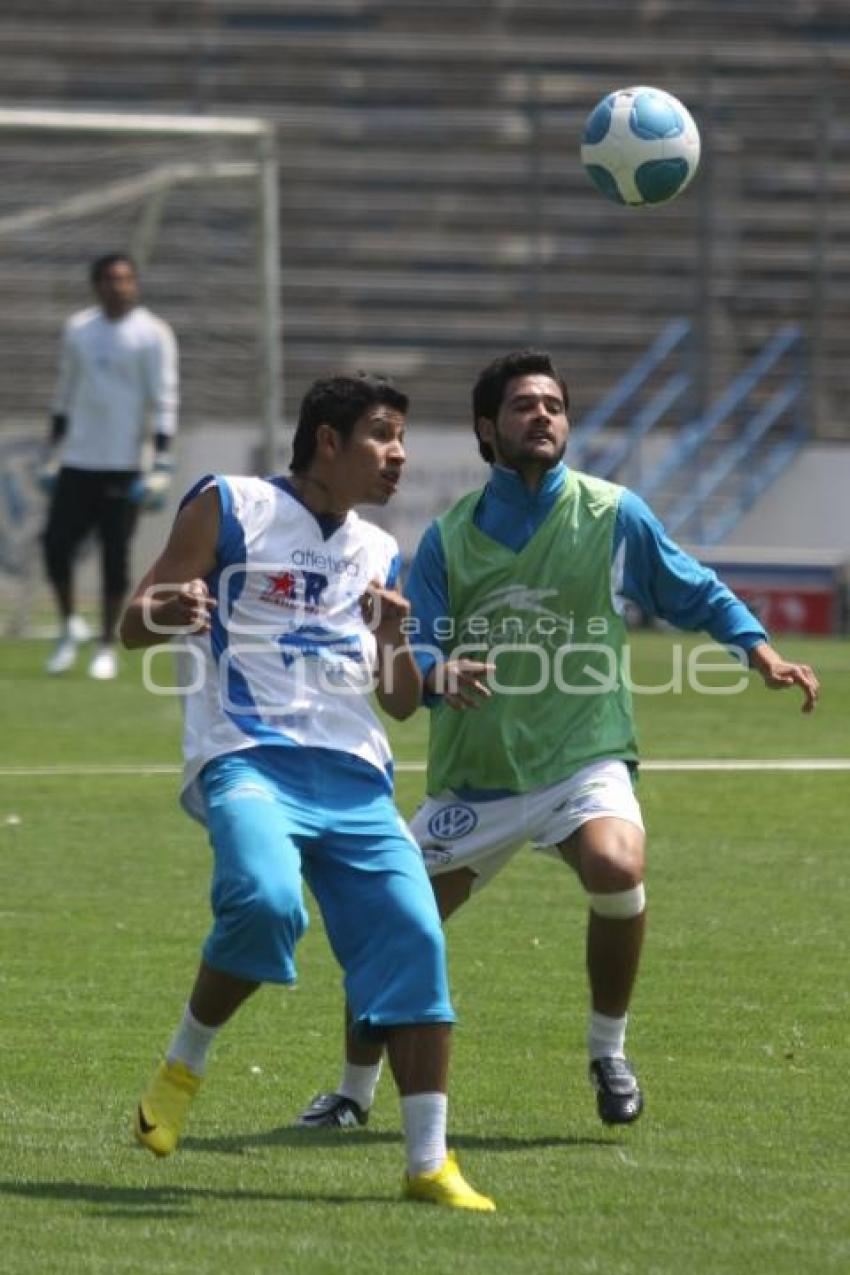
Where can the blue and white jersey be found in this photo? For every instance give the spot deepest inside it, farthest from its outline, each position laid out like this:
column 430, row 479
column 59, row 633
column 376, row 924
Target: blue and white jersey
column 289, row 659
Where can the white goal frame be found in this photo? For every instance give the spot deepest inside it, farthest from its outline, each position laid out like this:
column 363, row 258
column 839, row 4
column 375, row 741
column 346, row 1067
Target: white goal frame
column 154, row 185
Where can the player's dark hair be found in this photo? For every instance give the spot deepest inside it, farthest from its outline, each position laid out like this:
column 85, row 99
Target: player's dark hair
column 489, row 389
column 100, row 266
column 339, row 401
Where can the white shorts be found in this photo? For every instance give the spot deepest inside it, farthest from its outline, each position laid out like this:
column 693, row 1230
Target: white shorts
column 484, row 835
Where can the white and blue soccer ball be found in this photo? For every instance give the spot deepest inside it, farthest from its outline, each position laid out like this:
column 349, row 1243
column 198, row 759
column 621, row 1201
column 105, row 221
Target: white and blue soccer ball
column 640, row 146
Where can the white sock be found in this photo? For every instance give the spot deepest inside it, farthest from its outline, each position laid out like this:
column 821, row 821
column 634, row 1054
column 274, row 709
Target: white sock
column 359, row 1083
column 191, row 1043
column 76, row 628
column 606, row 1037
column 424, row 1118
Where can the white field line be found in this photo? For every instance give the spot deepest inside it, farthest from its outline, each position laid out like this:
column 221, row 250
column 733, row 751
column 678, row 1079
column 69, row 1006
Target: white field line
column 749, row 763
column 415, row 767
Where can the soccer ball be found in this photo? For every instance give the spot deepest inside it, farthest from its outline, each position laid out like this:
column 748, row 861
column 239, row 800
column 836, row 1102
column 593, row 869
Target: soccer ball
column 640, row 146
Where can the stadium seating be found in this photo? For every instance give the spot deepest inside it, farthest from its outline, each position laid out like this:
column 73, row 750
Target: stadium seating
column 433, row 209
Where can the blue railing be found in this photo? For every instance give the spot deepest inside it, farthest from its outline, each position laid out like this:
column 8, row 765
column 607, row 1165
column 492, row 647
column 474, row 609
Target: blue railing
column 624, row 402
column 723, row 487
column 671, row 392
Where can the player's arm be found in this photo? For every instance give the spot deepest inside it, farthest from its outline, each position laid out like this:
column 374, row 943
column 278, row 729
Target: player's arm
column 459, row 683
column 399, row 687
column 173, row 595
column 653, row 571
column 49, row 469
column 64, row 385
column 164, row 382
column 162, row 366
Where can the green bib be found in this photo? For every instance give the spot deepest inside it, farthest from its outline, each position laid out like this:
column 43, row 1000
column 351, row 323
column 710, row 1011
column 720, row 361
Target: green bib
column 545, row 617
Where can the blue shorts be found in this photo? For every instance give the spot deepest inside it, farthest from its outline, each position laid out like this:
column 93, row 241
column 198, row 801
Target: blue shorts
column 277, row 813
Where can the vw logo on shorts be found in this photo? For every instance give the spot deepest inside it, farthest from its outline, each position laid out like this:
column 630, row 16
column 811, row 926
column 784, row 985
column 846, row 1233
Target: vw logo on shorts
column 452, row 822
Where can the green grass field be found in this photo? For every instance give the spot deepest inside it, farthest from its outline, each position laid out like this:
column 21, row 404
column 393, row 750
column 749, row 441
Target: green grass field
column 740, row 1163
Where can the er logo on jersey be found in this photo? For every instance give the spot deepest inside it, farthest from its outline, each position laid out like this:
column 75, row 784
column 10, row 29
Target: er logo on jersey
column 302, row 589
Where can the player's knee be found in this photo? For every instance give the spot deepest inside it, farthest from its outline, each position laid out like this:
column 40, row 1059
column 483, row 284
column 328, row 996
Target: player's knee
column 422, row 937
column 614, row 863
column 116, row 576
column 265, row 906
column 619, row 905
column 281, row 908
column 57, row 556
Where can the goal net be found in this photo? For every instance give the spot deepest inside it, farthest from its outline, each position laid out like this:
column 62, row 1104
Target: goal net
column 194, row 200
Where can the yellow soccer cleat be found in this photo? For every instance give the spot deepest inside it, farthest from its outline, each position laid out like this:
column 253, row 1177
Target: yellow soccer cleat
column 446, row 1186
column 162, row 1109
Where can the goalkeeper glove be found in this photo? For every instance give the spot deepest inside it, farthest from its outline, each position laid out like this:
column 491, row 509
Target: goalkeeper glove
column 150, row 490
column 47, row 473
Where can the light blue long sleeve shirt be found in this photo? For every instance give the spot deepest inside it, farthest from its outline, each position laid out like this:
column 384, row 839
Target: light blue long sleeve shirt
column 647, row 567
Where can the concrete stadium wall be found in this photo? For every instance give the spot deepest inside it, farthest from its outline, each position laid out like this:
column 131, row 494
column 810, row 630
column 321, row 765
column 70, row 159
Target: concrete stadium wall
column 807, row 510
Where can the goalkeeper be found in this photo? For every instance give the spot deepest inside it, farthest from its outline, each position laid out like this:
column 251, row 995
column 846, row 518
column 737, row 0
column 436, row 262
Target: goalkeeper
column 118, row 365
column 530, row 577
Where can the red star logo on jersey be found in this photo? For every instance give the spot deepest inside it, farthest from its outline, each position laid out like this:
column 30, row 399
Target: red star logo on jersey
column 282, row 585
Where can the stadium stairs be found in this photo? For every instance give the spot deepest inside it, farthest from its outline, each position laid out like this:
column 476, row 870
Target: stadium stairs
column 710, row 468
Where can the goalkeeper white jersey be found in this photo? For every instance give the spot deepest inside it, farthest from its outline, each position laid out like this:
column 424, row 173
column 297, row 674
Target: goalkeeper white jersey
column 289, row 659
column 113, row 376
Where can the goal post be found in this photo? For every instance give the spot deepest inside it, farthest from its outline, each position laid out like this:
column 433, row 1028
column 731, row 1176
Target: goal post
column 194, row 200
column 149, row 189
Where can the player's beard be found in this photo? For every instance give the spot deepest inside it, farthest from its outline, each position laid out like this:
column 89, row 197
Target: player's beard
column 514, row 455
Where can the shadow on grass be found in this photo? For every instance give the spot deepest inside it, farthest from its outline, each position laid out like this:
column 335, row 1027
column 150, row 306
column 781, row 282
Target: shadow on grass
column 167, row 1201
column 350, row 1139
column 179, row 1201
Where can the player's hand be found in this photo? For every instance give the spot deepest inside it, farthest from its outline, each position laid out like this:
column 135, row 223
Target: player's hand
column 461, row 682
column 188, row 611
column 150, row 490
column 780, row 674
column 47, row 474
column 384, row 612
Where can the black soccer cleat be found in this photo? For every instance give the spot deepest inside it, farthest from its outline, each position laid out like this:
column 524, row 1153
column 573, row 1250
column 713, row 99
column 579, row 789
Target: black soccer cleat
column 332, row 1111
column 618, row 1097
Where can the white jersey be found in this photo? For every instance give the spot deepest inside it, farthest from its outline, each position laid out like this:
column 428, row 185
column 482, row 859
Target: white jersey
column 289, row 659
column 112, row 374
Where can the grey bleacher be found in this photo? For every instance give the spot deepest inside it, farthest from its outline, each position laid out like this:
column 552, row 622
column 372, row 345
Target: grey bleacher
column 422, row 231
